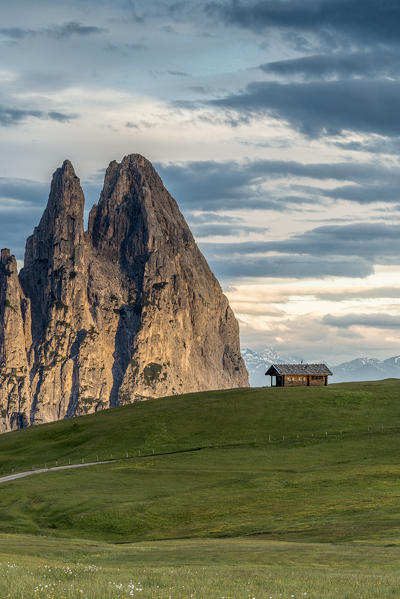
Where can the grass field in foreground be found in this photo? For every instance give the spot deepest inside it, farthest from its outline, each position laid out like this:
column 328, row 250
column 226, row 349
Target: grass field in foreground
column 202, row 569
column 250, row 493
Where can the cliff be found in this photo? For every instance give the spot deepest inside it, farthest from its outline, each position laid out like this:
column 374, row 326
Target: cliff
column 123, row 312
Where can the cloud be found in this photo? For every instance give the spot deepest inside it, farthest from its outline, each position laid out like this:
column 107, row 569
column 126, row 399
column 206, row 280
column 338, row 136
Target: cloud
column 63, row 31
column 322, row 108
column 23, row 190
column 379, row 63
column 21, row 205
column 347, row 250
column 372, row 144
column 72, row 28
column 224, row 229
column 339, row 21
column 380, row 321
column 379, row 243
column 211, row 185
column 293, row 266
column 364, row 194
column 15, row 116
column 371, row 293
column 124, row 49
column 179, row 74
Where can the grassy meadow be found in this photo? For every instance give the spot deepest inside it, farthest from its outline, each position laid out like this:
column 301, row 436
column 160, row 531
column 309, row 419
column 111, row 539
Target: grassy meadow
column 202, row 569
column 244, row 493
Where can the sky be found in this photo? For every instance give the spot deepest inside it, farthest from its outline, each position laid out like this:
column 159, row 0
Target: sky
column 274, row 123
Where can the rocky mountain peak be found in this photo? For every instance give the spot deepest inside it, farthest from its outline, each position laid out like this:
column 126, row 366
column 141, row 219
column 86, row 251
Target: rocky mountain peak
column 66, row 200
column 136, row 215
column 54, row 253
column 5, row 256
column 127, row 311
column 60, row 230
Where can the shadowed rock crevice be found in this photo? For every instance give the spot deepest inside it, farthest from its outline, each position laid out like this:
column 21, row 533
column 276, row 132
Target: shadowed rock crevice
column 126, row 311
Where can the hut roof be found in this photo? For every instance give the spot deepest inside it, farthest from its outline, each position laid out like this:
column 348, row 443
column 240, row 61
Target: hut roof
column 280, row 369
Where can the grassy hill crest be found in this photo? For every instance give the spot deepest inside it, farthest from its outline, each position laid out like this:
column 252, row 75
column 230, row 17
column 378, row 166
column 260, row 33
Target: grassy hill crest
column 317, row 464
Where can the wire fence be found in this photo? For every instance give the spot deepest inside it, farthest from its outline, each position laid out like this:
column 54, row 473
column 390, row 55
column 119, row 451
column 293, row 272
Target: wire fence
column 145, row 452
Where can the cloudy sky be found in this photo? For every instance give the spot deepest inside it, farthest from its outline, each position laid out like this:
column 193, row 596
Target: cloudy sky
column 274, row 123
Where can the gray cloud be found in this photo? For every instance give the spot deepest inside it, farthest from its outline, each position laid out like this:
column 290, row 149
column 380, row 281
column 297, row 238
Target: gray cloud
column 373, row 293
column 211, row 185
column 293, row 266
column 63, row 31
column 364, row 194
column 368, row 242
column 21, row 205
column 14, row 116
column 379, row 63
column 349, row 251
column 124, row 49
column 23, row 190
column 323, row 107
column 374, row 144
column 224, row 229
column 339, row 21
column 385, row 191
column 380, row 321
column 179, row 74
column 72, row 28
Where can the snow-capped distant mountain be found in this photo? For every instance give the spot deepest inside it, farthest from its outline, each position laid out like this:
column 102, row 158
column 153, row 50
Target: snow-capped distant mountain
column 366, row 369
column 360, row 369
column 258, row 363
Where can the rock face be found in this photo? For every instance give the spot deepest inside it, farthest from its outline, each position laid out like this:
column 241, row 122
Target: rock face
column 123, row 312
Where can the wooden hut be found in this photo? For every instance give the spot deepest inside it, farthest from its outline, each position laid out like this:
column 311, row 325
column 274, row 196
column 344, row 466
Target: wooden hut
column 296, row 375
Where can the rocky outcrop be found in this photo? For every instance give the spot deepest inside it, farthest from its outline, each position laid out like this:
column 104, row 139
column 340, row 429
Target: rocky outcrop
column 125, row 311
column 15, row 343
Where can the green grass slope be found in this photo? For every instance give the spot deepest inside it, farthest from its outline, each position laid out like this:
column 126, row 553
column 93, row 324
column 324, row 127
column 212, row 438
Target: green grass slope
column 219, row 418
column 318, row 465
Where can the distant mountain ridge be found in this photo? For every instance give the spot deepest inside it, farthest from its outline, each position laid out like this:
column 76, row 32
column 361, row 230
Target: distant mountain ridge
column 367, row 369
column 359, row 369
column 258, row 362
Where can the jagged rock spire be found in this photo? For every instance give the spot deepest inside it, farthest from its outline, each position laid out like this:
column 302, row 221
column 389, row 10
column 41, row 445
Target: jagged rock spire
column 59, row 235
column 127, row 311
column 54, row 253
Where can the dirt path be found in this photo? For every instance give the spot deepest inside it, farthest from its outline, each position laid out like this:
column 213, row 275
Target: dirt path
column 5, row 479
